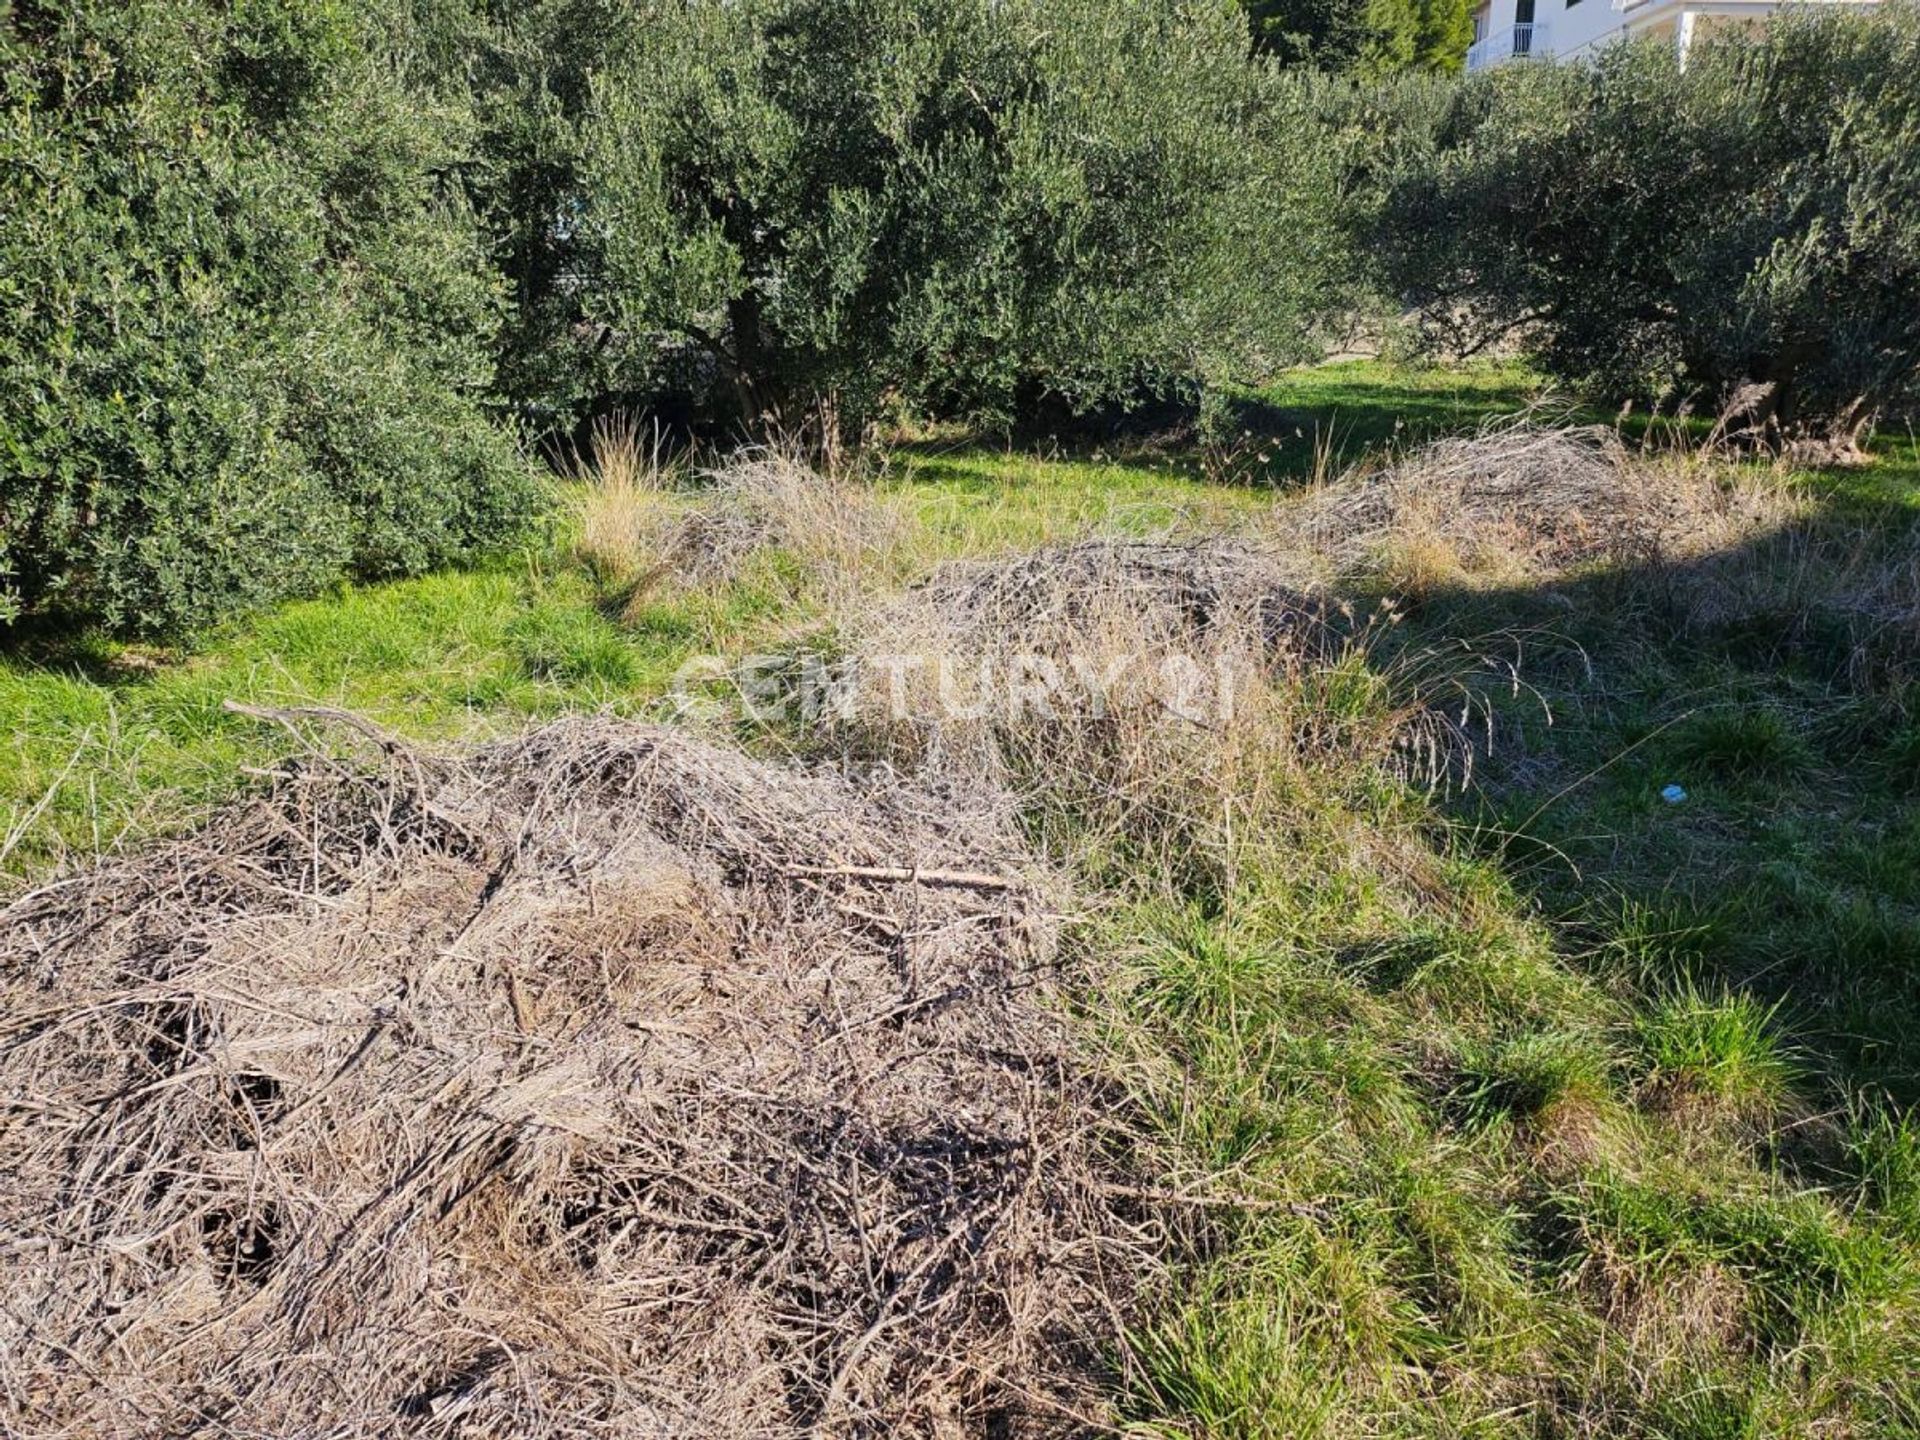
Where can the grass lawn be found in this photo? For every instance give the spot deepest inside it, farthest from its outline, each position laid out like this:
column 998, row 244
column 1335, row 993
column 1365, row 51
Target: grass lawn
column 1547, row 1106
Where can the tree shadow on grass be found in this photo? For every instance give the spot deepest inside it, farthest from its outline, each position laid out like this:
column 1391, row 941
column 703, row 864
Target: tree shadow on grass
column 1307, row 424
column 1775, row 685
column 1355, row 408
column 55, row 644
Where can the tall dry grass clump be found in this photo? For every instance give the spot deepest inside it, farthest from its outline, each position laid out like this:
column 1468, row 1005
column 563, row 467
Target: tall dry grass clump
column 768, row 501
column 649, row 528
column 1153, row 704
column 598, row 1082
column 628, row 528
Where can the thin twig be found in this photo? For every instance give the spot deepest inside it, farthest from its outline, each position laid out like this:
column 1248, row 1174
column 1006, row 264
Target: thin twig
column 907, row 875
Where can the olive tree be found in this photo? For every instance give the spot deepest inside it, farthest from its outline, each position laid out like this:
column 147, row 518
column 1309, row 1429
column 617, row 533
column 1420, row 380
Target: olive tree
column 1743, row 232
column 831, row 207
column 246, row 317
column 1370, row 38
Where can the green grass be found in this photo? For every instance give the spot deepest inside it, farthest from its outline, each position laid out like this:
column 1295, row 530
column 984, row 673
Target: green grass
column 1327, row 416
column 1755, row 743
column 1563, row 1109
column 110, row 741
column 1725, row 1047
column 1311, row 423
column 1792, row 868
column 1531, row 1076
column 1539, row 1107
column 964, row 499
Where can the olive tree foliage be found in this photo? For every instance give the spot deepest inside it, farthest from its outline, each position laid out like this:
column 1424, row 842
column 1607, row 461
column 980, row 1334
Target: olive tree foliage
column 834, row 208
column 246, row 317
column 272, row 272
column 527, row 68
column 1744, row 233
column 1371, row 39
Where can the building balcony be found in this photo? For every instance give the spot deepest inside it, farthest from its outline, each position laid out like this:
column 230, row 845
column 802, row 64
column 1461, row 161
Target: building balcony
column 1508, row 42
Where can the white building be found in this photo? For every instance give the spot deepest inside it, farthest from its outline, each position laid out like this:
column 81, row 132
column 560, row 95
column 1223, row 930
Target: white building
column 1517, row 29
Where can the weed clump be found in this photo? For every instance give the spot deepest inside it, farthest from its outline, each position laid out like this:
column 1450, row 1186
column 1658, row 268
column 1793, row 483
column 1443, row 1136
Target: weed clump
column 623, row 506
column 1742, row 744
column 1720, row 1052
column 650, row 529
column 572, row 646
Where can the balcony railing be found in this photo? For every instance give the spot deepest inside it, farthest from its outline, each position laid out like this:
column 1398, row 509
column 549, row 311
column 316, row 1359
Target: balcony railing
column 1507, row 43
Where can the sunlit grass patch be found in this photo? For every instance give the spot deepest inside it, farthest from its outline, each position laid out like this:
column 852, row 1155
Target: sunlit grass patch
column 1722, row 1049
column 1237, row 1364
column 969, row 501
column 573, row 645
column 99, row 748
column 1533, row 1075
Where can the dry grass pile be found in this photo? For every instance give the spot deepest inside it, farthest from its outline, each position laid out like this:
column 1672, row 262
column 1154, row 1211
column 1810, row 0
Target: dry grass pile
column 599, row 1082
column 1086, row 659
column 1157, row 592
column 765, row 499
column 1514, row 501
column 648, row 527
column 1153, row 702
column 1707, row 546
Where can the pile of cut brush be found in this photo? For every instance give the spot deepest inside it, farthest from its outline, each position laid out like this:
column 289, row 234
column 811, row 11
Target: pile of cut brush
column 1186, row 593
column 1546, row 496
column 603, row 1081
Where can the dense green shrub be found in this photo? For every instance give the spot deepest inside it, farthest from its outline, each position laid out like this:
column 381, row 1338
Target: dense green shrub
column 527, row 68
column 266, row 265
column 1744, row 231
column 830, row 207
column 246, row 318
column 1371, row 38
